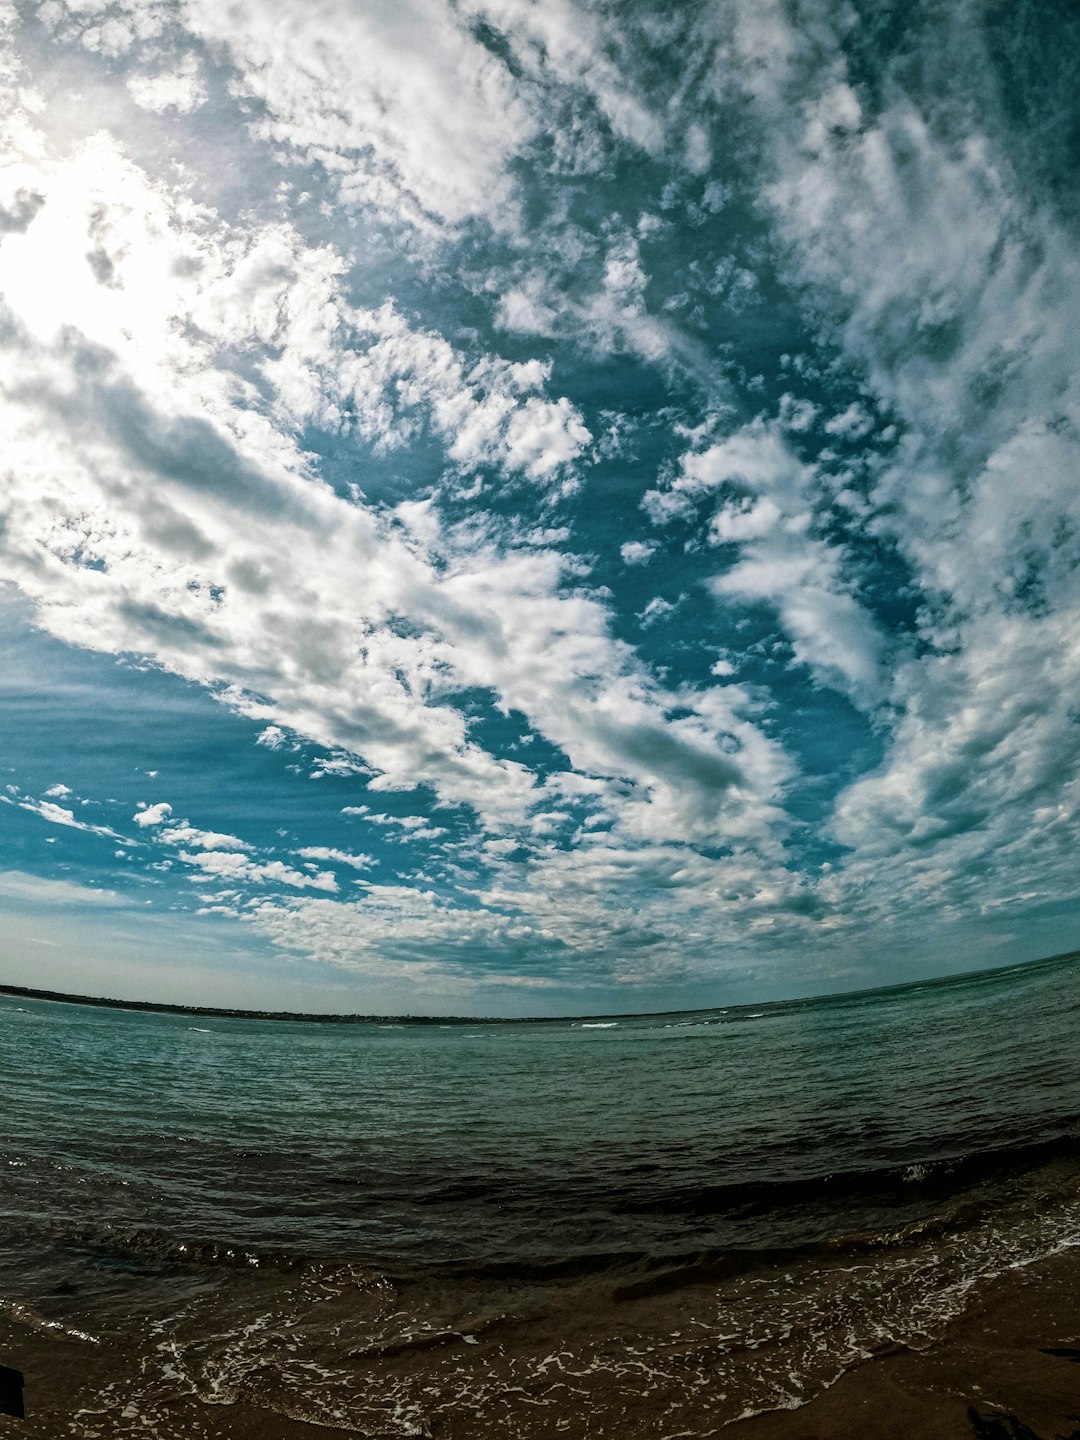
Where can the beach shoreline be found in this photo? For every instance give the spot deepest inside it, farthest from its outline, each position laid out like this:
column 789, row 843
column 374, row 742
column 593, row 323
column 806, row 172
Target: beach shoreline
column 1005, row 1368
column 992, row 1374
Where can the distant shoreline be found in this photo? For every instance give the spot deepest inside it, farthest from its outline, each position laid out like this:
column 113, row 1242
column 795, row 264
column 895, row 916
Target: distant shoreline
column 23, row 992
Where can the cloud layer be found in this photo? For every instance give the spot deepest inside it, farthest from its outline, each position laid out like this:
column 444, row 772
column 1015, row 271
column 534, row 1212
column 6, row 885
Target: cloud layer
column 613, row 472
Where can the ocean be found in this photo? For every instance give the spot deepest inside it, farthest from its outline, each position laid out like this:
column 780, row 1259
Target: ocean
column 639, row 1226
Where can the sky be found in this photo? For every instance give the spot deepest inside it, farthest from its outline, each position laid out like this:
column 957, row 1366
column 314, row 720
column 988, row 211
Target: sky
column 531, row 508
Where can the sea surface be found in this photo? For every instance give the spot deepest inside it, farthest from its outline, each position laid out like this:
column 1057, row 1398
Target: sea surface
column 593, row 1227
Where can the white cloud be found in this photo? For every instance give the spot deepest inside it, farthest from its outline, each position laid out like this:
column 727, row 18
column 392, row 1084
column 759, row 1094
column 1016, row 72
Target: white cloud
column 176, row 517
column 434, row 125
column 184, row 834
column 396, row 931
column 767, row 507
column 829, row 630
column 343, row 857
column 178, row 364
column 18, row 886
column 852, row 423
column 950, row 285
column 414, row 827
column 601, row 912
column 180, row 89
column 153, row 814
column 58, row 815
column 637, row 552
column 269, row 583
column 375, row 375
column 612, row 317
column 337, row 765
column 657, row 609
column 228, row 865
column 744, row 520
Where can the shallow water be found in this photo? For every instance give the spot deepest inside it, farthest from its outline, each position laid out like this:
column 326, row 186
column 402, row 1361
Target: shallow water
column 377, row 1225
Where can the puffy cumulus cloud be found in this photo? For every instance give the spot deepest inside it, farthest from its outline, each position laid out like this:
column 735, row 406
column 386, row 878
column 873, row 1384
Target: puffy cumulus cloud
column 228, row 865
column 374, row 375
column 156, row 814
column 611, row 314
column 105, row 28
column 978, row 795
column 180, row 89
column 342, row 857
column 615, row 905
column 432, row 126
column 657, row 609
column 830, row 631
column 201, row 839
column 427, row 119
column 125, row 530
column 679, row 761
column 965, row 336
column 429, row 132
column 603, row 912
column 636, row 552
column 228, row 858
column 412, row 827
column 576, row 46
column 565, row 920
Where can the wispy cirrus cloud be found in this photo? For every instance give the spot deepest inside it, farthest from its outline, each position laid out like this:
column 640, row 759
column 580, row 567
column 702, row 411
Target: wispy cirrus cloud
column 60, row 815
column 38, row 890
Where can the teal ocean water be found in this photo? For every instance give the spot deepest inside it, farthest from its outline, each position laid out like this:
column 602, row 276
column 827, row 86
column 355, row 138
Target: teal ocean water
column 229, row 1199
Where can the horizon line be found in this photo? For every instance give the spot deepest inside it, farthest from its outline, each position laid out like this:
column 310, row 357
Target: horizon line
column 166, row 1007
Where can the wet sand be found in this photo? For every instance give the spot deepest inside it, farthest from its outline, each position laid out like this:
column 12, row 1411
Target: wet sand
column 993, row 1374
column 1007, row 1368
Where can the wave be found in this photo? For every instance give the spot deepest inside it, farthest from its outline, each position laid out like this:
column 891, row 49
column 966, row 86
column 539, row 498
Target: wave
column 762, row 1223
column 940, row 1176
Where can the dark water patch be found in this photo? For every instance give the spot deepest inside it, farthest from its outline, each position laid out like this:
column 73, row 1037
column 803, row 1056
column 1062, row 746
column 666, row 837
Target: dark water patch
column 888, row 1185
column 1003, row 1427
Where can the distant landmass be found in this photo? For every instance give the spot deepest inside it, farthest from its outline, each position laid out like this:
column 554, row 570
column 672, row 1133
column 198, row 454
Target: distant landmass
column 161, row 1007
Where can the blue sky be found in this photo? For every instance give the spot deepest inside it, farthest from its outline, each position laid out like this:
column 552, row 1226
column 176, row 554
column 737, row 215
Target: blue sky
column 520, row 508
